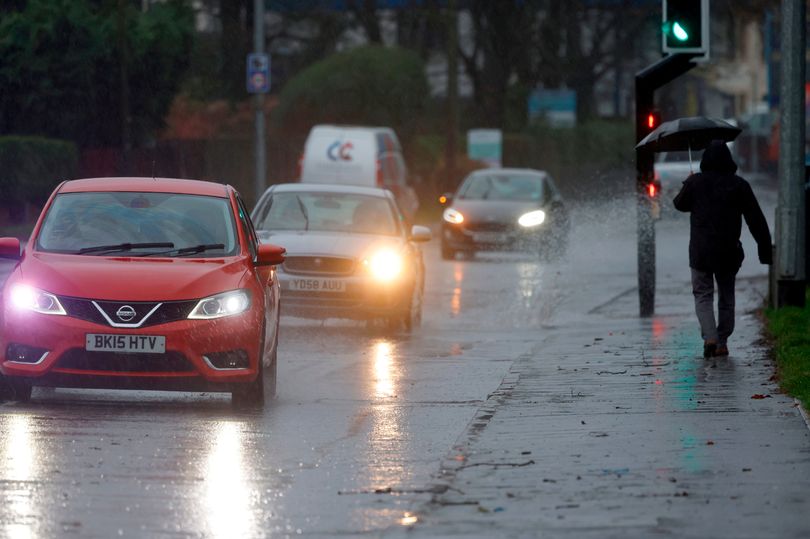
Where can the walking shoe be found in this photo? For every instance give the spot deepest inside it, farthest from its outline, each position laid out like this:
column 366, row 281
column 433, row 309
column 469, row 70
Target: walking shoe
column 709, row 349
column 722, row 350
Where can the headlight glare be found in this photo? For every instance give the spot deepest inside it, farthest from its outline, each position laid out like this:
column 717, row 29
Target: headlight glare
column 221, row 305
column 452, row 215
column 28, row 298
column 533, row 218
column 385, row 265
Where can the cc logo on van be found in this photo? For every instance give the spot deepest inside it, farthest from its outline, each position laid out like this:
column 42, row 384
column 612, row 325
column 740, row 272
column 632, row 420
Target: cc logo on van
column 339, row 151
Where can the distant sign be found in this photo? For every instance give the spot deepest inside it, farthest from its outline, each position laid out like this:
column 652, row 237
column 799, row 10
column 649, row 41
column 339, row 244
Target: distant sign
column 485, row 145
column 258, row 73
column 557, row 107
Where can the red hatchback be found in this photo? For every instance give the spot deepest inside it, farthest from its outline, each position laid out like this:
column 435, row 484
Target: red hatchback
column 141, row 283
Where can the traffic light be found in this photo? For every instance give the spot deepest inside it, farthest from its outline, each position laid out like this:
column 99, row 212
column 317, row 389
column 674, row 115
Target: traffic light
column 685, row 26
column 647, row 120
column 652, row 120
column 654, row 196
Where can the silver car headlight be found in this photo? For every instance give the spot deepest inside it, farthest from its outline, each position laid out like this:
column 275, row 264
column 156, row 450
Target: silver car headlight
column 385, row 265
column 221, row 305
column 532, row 219
column 28, row 298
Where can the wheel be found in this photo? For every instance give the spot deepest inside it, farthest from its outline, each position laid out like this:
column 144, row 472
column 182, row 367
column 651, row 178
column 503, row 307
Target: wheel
column 448, row 253
column 15, row 389
column 271, row 371
column 252, row 394
column 263, row 388
column 412, row 317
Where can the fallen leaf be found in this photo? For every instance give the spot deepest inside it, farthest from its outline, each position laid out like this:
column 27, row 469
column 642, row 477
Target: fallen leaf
column 760, row 396
column 710, row 442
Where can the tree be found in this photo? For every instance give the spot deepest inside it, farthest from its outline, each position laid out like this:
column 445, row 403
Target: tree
column 61, row 65
column 533, row 42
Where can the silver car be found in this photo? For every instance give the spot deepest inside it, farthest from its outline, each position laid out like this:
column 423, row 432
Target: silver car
column 349, row 252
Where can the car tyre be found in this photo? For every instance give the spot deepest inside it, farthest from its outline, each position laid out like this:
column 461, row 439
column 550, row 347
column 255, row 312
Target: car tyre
column 15, row 389
column 412, row 318
column 263, row 388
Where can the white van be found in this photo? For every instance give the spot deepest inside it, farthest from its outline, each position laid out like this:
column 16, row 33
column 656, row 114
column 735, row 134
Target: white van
column 354, row 155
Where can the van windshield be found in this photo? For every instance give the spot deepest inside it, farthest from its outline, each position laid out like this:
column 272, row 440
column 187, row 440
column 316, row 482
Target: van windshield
column 328, row 212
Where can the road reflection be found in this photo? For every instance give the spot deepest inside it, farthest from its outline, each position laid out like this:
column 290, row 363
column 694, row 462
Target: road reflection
column 386, row 471
column 458, row 279
column 229, row 500
column 20, row 456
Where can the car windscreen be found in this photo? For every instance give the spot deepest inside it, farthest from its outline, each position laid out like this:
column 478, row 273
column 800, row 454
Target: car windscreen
column 503, row 187
column 333, row 212
column 140, row 224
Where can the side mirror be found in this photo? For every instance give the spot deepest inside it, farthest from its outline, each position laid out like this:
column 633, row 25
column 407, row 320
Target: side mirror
column 446, row 199
column 10, row 248
column 270, row 255
column 420, row 233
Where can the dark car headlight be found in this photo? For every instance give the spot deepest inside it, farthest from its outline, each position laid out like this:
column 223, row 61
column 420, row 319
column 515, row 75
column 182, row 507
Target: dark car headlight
column 532, row 219
column 221, row 305
column 453, row 216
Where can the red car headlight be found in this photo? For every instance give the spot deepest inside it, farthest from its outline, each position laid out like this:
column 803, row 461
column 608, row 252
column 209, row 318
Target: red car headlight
column 221, row 305
column 28, row 298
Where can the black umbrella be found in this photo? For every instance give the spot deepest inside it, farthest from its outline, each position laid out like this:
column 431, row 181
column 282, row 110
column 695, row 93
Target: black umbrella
column 693, row 133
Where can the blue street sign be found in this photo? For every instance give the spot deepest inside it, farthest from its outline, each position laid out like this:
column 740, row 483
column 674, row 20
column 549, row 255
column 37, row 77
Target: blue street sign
column 258, row 73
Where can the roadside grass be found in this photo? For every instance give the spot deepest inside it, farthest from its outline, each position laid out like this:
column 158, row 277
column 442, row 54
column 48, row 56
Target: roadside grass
column 790, row 329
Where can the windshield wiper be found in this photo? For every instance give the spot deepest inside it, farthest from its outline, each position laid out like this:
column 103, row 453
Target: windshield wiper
column 194, row 249
column 303, row 212
column 120, row 247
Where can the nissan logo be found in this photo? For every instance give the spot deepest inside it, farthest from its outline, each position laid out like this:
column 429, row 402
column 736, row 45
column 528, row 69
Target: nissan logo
column 125, row 313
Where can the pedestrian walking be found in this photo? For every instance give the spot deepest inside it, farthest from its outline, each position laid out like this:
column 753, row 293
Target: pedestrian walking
column 717, row 200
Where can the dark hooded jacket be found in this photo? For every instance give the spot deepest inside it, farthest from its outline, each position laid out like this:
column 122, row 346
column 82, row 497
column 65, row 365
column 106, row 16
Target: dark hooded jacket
column 718, row 200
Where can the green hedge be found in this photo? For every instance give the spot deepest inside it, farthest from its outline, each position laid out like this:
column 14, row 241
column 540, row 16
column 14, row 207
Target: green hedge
column 30, row 168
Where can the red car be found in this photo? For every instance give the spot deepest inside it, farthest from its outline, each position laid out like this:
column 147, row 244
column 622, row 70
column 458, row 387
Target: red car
column 141, row 283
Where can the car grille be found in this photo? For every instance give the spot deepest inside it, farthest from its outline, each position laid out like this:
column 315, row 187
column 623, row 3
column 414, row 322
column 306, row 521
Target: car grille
column 321, row 265
column 78, row 359
column 168, row 311
column 488, row 227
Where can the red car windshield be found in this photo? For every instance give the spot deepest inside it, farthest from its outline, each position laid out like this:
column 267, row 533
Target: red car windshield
column 143, row 224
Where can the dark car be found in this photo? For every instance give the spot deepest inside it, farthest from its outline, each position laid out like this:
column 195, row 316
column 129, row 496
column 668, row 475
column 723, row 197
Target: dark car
column 505, row 210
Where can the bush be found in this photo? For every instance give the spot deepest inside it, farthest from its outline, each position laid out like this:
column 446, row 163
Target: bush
column 370, row 85
column 30, row 168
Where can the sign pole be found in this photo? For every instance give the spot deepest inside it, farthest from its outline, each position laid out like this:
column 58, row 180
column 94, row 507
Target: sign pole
column 790, row 212
column 258, row 100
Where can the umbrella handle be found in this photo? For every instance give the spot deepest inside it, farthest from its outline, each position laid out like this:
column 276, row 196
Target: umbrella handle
column 689, row 148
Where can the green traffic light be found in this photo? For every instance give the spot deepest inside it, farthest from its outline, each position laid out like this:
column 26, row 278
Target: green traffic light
column 679, row 32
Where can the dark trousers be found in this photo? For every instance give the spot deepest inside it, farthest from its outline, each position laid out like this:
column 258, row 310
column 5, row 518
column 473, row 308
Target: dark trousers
column 703, row 289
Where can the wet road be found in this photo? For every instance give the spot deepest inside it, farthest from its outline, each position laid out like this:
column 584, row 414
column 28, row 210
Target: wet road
column 362, row 419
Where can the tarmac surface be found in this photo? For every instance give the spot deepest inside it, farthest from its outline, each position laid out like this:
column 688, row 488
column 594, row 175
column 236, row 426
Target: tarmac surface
column 615, row 426
column 533, row 402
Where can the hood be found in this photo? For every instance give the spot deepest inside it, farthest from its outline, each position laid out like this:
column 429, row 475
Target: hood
column 131, row 279
column 717, row 158
column 338, row 244
column 497, row 211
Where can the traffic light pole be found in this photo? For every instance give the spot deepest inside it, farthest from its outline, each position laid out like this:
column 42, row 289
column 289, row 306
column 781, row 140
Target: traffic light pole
column 647, row 81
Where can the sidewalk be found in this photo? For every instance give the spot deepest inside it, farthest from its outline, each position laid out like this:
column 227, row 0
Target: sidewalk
column 618, row 428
